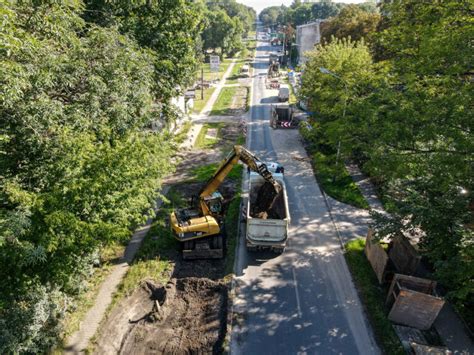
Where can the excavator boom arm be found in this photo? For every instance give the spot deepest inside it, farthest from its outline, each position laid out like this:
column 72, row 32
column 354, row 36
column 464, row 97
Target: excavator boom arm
column 242, row 154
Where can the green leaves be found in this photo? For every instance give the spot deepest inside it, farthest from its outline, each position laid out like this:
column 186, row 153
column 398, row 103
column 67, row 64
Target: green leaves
column 80, row 165
column 409, row 124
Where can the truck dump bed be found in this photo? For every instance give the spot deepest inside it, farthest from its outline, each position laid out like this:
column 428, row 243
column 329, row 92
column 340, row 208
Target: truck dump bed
column 267, row 230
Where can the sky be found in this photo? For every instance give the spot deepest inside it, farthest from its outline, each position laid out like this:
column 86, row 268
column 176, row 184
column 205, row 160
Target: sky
column 259, row 5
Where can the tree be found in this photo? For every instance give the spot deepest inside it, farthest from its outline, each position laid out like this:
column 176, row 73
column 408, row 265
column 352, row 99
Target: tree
column 330, row 96
column 269, row 15
column 79, row 162
column 351, row 22
column 325, row 9
column 409, row 125
column 245, row 14
column 302, row 14
column 169, row 28
column 429, row 138
column 222, row 32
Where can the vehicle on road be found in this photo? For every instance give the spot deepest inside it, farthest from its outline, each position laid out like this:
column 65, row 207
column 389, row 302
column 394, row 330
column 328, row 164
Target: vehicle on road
column 273, row 58
column 284, row 94
column 245, row 71
column 268, row 230
column 200, row 228
column 285, row 116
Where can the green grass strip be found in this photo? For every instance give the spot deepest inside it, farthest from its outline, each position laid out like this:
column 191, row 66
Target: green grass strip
column 204, row 142
column 336, row 181
column 198, row 103
column 224, row 101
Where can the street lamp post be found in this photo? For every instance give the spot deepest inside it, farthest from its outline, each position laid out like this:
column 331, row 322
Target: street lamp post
column 328, row 72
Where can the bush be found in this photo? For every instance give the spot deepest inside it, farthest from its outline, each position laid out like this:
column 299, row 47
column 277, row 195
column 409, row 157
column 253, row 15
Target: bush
column 32, row 323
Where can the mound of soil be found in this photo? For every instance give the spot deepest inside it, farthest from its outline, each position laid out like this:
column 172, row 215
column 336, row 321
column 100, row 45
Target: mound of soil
column 188, row 316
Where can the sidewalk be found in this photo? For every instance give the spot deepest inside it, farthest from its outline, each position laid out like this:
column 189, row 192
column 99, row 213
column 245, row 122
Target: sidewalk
column 365, row 186
column 449, row 326
column 204, row 114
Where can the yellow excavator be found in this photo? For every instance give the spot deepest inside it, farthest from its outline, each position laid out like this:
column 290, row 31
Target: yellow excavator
column 200, row 228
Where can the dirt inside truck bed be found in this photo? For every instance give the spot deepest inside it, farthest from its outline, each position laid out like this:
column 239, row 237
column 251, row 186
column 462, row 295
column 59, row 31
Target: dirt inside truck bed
column 265, row 203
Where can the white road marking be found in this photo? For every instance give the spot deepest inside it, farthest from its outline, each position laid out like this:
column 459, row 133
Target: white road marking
column 298, row 306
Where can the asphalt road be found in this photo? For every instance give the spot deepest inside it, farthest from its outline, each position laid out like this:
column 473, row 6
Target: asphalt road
column 302, row 301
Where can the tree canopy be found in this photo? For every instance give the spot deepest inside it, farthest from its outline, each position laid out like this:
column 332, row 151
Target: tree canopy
column 300, row 13
column 352, row 21
column 409, row 124
column 80, row 164
column 225, row 23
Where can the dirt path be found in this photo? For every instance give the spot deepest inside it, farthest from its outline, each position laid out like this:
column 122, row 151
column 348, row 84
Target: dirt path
column 79, row 340
column 185, row 316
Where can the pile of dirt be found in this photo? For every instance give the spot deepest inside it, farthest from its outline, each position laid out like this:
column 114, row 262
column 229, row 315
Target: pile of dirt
column 186, row 316
column 266, row 204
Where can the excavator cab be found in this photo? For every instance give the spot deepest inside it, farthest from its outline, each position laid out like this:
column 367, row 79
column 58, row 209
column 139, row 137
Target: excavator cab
column 214, row 203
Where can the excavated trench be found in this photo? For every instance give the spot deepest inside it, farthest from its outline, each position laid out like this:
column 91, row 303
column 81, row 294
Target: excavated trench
column 187, row 316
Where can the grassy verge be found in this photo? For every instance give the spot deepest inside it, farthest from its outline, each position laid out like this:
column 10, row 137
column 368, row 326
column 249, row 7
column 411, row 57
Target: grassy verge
column 204, row 142
column 232, row 221
column 235, row 73
column 292, row 100
column 336, row 181
column 181, row 136
column 373, row 298
column 204, row 172
column 198, row 103
column 208, row 75
column 151, row 260
column 226, row 103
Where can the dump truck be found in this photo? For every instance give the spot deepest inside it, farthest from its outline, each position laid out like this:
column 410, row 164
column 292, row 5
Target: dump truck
column 200, row 227
column 269, row 229
column 286, row 116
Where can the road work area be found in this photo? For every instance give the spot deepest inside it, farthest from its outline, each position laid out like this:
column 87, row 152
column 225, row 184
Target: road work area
column 189, row 313
column 304, row 300
column 184, row 316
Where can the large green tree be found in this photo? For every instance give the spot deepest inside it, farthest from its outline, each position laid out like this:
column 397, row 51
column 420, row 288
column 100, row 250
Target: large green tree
column 409, row 123
column 79, row 163
column 325, row 9
column 245, row 14
column 169, row 28
column 353, row 22
column 429, row 137
column 222, row 32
